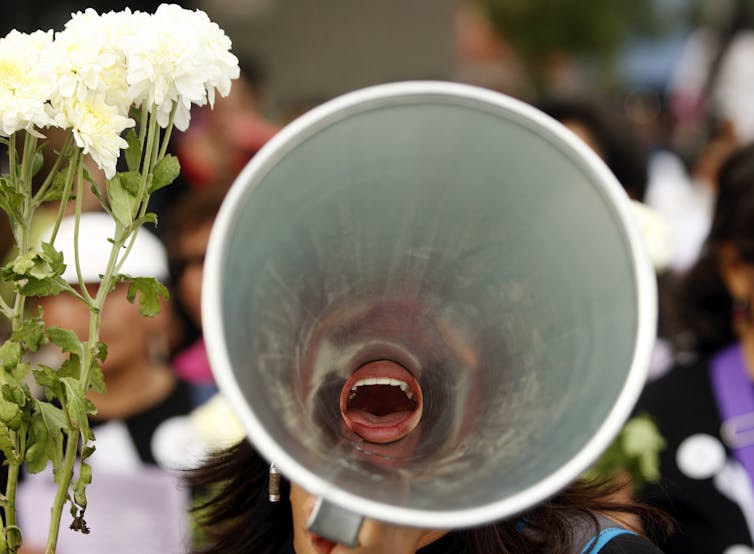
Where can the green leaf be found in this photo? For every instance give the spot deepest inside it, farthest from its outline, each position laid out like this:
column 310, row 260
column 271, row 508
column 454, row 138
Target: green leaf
column 88, row 176
column 100, row 352
column 49, row 380
column 24, row 263
column 9, row 413
column 67, row 340
column 31, row 334
column 45, row 437
column 149, row 291
column 11, row 201
column 133, row 152
column 87, row 451
column 165, row 172
column 79, row 486
column 131, row 182
column 7, row 446
column 53, row 257
column 13, row 393
column 70, row 367
column 149, row 217
column 57, row 187
column 77, row 407
column 101, row 199
column 97, row 378
column 123, row 203
column 37, row 162
column 10, row 354
column 43, row 287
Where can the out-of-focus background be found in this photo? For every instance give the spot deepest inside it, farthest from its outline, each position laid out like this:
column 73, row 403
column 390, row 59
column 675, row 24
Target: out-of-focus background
column 305, row 52
column 662, row 90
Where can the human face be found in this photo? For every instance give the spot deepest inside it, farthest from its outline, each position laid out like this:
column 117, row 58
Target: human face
column 375, row 537
column 122, row 327
column 192, row 246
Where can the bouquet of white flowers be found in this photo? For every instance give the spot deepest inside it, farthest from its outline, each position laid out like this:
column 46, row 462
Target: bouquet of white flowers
column 113, row 82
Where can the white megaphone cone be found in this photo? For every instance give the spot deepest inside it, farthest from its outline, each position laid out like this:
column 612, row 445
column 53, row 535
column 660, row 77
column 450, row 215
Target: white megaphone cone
column 428, row 306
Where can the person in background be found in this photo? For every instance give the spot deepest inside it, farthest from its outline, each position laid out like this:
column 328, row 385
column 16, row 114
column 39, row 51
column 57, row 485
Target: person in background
column 137, row 506
column 703, row 405
column 239, row 519
column 189, row 223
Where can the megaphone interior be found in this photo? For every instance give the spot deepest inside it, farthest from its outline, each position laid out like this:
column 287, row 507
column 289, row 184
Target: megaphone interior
column 428, row 305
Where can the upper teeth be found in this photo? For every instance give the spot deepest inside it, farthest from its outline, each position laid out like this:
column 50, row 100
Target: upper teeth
column 382, row 381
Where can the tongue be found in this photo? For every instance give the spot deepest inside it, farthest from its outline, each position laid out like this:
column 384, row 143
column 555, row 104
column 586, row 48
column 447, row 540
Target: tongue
column 386, row 427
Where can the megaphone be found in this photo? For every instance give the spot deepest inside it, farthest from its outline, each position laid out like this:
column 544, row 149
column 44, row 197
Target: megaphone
column 428, row 304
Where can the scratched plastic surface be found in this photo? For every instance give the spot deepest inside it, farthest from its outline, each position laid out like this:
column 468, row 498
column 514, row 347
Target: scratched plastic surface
column 502, row 274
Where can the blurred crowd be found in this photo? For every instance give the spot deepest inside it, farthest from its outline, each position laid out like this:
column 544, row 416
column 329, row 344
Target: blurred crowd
column 682, row 153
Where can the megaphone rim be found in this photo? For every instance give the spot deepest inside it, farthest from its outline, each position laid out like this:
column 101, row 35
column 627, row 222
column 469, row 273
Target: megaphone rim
column 644, row 279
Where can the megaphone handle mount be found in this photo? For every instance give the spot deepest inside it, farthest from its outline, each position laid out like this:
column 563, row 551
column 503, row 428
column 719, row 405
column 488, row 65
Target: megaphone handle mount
column 335, row 523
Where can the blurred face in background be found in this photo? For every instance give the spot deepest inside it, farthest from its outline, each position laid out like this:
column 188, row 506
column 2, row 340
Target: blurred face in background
column 192, row 244
column 126, row 332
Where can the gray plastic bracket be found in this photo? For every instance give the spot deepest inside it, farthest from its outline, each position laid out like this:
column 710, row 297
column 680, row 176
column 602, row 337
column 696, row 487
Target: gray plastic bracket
column 335, row 523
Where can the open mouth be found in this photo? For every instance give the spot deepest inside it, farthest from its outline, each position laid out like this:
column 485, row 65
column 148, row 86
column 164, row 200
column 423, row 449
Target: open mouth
column 381, row 402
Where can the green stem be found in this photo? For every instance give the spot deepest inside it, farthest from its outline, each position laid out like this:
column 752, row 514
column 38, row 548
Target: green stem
column 12, row 161
column 146, row 169
column 72, row 167
column 23, row 182
column 14, row 468
column 56, row 512
column 79, row 207
column 54, row 171
column 168, row 132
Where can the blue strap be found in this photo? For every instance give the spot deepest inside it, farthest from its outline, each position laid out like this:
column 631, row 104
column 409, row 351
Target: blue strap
column 597, row 543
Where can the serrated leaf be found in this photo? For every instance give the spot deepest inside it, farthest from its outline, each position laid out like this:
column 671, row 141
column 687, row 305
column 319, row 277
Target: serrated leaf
column 42, row 287
column 97, row 379
column 11, row 201
column 77, row 407
column 45, row 437
column 165, row 172
column 7, row 446
column 53, row 257
column 10, row 355
column 23, row 263
column 13, row 393
column 31, row 334
column 9, row 412
column 48, row 379
column 133, row 152
column 67, row 340
column 70, row 367
column 148, row 291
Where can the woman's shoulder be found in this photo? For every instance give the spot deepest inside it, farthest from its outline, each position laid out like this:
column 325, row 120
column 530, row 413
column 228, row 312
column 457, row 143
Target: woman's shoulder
column 629, row 543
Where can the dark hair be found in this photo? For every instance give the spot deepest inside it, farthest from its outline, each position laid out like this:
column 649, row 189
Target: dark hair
column 704, row 303
column 238, row 518
column 620, row 146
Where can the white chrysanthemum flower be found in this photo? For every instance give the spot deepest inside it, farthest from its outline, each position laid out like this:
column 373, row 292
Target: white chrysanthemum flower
column 97, row 128
column 25, row 84
column 180, row 59
column 89, row 57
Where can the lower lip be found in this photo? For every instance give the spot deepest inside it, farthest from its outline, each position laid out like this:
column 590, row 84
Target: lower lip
column 385, row 429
